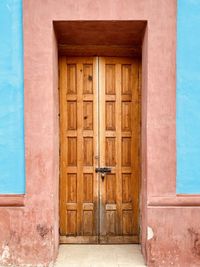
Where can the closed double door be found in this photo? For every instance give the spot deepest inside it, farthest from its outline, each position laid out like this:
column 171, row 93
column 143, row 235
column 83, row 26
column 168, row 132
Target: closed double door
column 99, row 149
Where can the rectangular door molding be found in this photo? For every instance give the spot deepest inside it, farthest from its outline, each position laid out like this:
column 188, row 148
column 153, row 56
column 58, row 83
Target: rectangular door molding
column 99, row 127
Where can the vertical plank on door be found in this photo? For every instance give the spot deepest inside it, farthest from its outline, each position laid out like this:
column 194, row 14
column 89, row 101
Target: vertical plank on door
column 102, row 189
column 63, row 143
column 119, row 149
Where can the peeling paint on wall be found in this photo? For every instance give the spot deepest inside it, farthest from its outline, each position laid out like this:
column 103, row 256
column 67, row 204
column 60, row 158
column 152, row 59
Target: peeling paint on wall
column 195, row 238
column 12, row 178
column 5, row 254
column 150, row 233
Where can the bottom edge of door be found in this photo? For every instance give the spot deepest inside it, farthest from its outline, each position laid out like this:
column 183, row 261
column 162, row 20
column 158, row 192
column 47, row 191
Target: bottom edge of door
column 134, row 239
column 79, row 239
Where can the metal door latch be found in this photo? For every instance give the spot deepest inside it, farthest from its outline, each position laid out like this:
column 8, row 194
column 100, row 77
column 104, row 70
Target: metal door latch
column 103, row 170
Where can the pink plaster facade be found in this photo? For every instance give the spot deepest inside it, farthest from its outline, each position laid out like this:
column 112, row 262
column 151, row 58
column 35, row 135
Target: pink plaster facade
column 29, row 231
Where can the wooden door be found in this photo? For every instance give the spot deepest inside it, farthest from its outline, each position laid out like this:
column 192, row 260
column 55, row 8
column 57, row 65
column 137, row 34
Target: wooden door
column 119, row 135
column 100, row 127
column 78, row 150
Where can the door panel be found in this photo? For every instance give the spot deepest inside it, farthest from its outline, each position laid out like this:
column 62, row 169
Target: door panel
column 119, row 149
column 100, row 127
column 78, row 148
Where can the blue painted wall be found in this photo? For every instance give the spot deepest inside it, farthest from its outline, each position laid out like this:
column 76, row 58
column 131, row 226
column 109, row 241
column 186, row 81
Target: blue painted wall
column 12, row 173
column 188, row 97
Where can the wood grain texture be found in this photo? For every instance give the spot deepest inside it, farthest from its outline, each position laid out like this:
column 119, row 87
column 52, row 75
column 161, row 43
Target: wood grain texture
column 103, row 50
column 119, row 149
column 78, row 147
column 100, row 126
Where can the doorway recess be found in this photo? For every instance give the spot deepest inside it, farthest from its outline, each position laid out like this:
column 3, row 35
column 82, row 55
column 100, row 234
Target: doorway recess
column 82, row 40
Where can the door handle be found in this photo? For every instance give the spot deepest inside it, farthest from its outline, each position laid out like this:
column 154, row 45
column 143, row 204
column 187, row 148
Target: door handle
column 103, row 170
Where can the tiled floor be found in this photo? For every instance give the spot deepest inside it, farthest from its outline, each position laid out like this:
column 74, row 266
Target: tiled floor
column 99, row 256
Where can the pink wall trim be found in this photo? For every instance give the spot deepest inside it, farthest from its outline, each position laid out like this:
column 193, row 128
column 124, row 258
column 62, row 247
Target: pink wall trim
column 9, row 200
column 178, row 200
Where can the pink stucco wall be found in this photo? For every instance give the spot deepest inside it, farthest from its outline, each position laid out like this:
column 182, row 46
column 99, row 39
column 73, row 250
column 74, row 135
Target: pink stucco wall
column 30, row 233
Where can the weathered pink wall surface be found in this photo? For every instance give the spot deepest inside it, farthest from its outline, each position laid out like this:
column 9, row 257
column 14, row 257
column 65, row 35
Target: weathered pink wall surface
column 29, row 234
